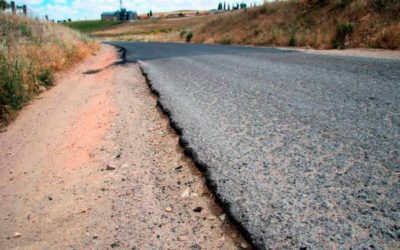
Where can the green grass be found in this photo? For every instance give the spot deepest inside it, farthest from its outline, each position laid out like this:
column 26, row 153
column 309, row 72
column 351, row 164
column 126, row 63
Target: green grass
column 92, row 25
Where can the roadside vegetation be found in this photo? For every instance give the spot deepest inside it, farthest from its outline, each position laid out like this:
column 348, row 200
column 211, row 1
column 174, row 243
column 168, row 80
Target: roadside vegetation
column 30, row 53
column 321, row 24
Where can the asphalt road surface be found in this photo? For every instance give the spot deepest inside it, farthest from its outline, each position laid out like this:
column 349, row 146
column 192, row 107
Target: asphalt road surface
column 303, row 149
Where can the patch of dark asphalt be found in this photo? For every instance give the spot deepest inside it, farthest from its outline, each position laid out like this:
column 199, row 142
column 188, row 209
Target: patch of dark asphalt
column 301, row 150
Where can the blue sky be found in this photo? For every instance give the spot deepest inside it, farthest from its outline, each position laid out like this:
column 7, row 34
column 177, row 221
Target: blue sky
column 91, row 9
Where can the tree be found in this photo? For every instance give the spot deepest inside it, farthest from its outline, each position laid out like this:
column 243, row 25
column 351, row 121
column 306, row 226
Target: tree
column 3, row 5
column 220, row 6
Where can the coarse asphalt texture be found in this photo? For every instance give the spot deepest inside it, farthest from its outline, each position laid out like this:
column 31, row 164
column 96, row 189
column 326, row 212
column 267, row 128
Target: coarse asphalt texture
column 301, row 149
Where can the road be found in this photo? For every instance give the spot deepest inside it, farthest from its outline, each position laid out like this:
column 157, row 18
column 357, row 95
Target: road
column 91, row 164
column 302, row 149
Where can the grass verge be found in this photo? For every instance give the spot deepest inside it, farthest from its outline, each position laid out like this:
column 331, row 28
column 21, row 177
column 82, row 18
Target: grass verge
column 30, row 53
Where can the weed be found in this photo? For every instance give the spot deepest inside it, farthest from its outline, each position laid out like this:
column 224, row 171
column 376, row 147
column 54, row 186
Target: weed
column 46, row 77
column 25, row 30
column 292, row 40
column 342, row 31
column 189, row 37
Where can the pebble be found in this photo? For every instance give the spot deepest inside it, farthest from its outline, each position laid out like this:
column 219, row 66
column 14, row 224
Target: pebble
column 168, row 209
column 110, row 168
column 186, row 193
column 17, row 235
column 181, row 238
column 222, row 217
column 244, row 245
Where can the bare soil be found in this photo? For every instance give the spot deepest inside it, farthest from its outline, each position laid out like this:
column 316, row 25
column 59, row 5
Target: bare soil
column 92, row 164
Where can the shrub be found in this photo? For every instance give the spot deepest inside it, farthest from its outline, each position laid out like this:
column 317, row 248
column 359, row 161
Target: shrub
column 342, row 31
column 292, row 40
column 189, row 37
column 46, row 77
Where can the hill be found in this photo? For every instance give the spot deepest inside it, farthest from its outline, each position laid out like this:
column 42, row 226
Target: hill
column 321, row 24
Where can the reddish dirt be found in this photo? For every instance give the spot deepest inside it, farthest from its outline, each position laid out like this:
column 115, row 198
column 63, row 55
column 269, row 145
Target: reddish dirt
column 58, row 193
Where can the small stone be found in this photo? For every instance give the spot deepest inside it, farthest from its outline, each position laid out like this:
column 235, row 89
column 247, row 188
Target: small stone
column 197, row 209
column 181, row 238
column 222, row 217
column 110, row 168
column 17, row 235
column 168, row 209
column 186, row 193
column 50, row 198
column 244, row 245
column 194, row 195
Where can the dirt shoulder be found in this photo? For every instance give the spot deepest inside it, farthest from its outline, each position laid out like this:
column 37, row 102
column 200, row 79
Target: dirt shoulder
column 93, row 164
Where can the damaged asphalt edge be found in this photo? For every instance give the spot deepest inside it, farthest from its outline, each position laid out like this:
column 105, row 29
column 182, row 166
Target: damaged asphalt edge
column 189, row 152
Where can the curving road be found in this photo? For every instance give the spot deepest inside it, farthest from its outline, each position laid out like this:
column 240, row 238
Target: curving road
column 302, row 149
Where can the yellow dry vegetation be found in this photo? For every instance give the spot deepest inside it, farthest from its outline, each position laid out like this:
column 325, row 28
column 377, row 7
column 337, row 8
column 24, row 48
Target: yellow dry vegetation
column 31, row 52
column 321, row 24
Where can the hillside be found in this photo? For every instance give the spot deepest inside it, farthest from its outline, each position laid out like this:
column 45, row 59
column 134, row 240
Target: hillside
column 30, row 53
column 321, row 24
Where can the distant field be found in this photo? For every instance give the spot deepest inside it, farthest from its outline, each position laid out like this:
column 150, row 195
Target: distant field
column 163, row 29
column 91, row 25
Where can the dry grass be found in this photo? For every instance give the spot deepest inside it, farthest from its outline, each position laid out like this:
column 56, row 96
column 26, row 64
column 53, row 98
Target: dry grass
column 321, row 24
column 30, row 53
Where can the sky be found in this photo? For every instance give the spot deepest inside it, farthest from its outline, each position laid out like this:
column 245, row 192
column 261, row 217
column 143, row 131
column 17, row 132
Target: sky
column 91, row 9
